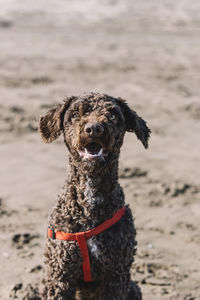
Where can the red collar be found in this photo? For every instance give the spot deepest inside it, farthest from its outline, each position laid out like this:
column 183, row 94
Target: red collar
column 81, row 238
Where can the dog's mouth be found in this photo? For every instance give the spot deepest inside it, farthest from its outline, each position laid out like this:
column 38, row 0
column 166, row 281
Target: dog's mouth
column 93, row 151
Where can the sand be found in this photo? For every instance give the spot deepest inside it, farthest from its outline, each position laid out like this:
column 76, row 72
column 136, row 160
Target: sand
column 147, row 52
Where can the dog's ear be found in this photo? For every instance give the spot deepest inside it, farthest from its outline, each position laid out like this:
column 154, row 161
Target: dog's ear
column 51, row 124
column 134, row 123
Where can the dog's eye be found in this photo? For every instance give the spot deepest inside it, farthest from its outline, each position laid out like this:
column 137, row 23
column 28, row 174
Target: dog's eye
column 112, row 117
column 75, row 115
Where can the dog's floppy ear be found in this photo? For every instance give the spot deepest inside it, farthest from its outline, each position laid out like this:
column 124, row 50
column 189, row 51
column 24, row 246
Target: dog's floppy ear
column 51, row 124
column 134, row 123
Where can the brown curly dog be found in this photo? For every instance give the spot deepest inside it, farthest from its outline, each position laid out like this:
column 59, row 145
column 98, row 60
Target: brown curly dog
column 91, row 236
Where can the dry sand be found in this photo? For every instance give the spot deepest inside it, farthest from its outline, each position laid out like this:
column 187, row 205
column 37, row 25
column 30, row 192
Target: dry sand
column 147, row 52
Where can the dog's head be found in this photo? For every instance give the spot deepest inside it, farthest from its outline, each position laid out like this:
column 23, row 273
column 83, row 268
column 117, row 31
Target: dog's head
column 93, row 126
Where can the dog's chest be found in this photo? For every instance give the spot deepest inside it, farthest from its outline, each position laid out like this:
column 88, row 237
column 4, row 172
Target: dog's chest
column 93, row 247
column 91, row 193
column 94, row 198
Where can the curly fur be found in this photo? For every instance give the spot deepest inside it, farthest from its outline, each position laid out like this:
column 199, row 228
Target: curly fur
column 90, row 196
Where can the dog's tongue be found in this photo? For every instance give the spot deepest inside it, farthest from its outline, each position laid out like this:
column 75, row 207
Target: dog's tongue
column 93, row 148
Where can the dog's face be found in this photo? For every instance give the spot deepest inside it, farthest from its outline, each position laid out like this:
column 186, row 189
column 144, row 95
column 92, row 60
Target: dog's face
column 94, row 129
column 93, row 126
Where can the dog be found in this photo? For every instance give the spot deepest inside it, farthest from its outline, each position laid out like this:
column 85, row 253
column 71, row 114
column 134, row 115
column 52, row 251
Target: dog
column 91, row 235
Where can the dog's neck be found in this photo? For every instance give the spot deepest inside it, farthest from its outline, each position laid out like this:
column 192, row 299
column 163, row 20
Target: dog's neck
column 96, row 194
column 90, row 196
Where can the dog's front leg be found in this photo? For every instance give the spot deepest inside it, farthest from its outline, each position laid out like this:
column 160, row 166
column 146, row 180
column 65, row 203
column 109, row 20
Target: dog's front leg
column 63, row 265
column 57, row 290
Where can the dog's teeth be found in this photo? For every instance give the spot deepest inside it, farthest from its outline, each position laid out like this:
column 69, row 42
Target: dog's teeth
column 89, row 155
column 100, row 152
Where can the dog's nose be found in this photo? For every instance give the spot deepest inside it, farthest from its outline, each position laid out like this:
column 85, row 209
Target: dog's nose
column 94, row 129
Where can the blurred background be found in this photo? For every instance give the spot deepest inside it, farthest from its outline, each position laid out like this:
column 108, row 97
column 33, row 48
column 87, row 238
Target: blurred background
column 147, row 52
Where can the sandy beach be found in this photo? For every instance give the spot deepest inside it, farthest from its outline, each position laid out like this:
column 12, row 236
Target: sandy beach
column 147, row 52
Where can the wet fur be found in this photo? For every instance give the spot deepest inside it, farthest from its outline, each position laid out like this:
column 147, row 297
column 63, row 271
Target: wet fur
column 90, row 196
